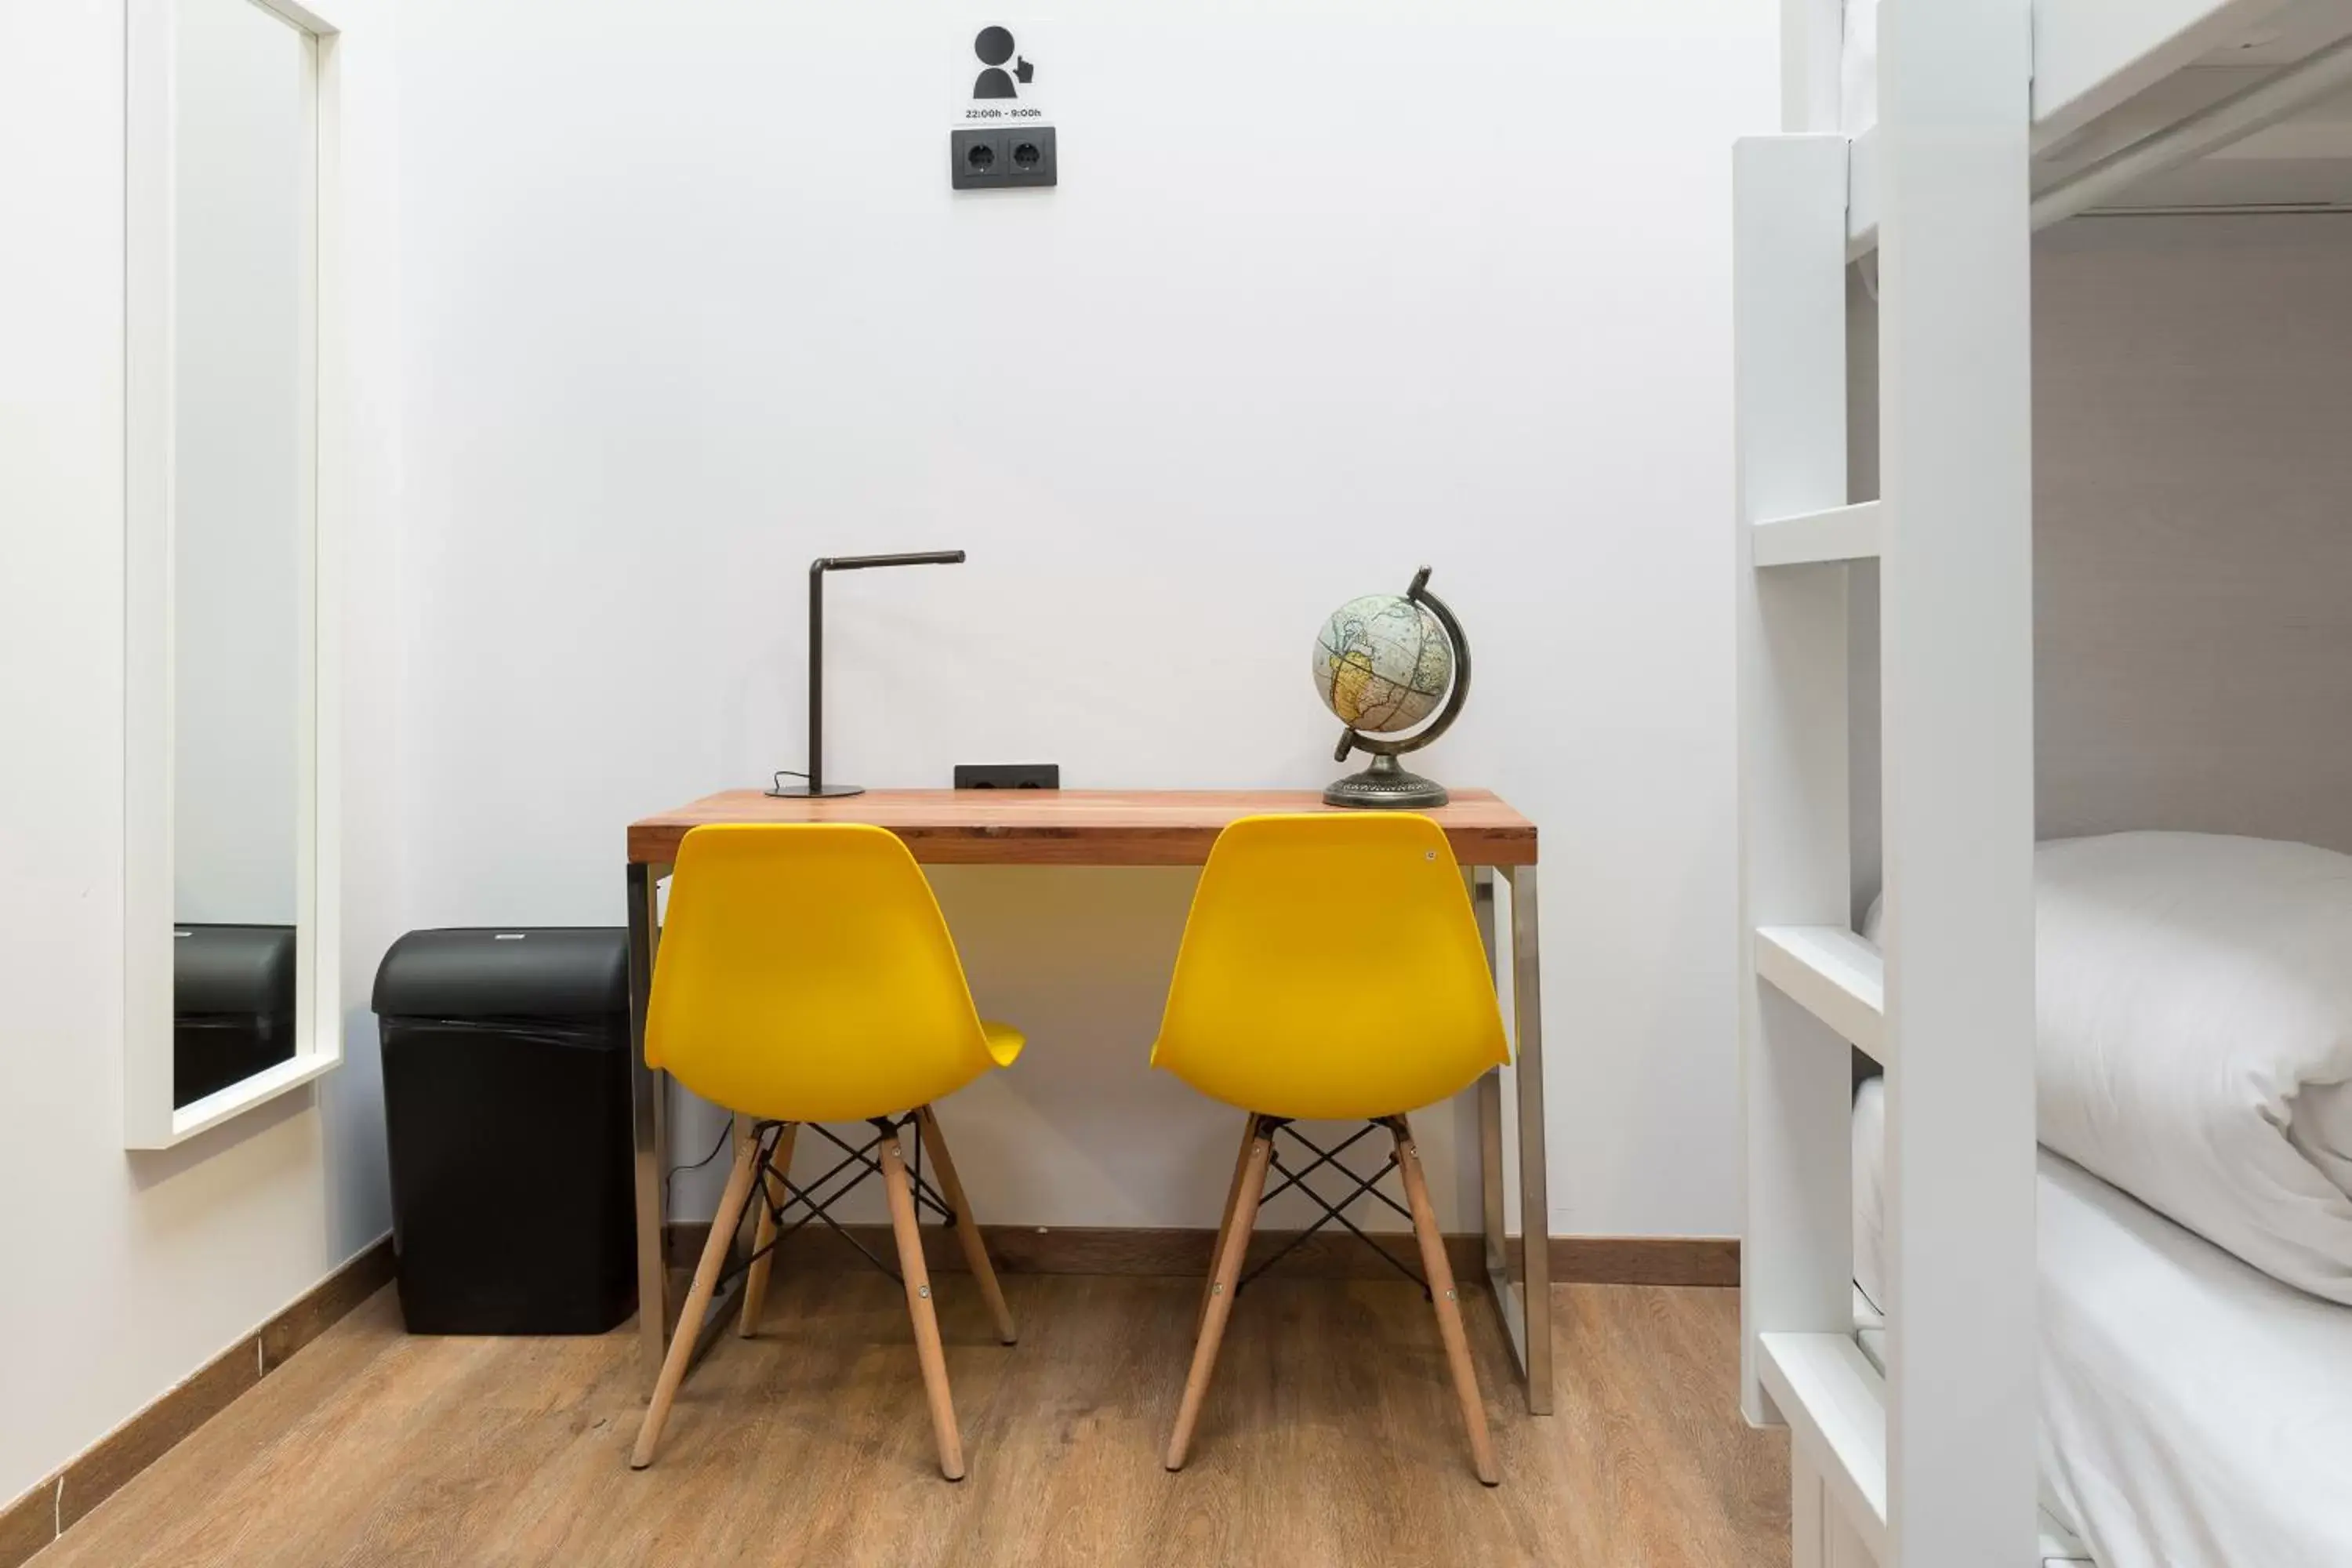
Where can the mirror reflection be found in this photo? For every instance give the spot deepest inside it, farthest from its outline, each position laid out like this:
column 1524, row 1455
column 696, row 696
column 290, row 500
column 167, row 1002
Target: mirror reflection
column 241, row 523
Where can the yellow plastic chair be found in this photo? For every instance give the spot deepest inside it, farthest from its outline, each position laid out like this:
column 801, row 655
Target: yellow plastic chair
column 805, row 975
column 1332, row 969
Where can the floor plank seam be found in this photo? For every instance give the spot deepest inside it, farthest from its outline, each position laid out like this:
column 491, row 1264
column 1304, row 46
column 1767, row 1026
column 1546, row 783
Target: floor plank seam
column 1334, row 1440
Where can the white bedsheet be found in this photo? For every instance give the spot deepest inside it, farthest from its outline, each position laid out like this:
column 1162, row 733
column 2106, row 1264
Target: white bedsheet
column 2195, row 1412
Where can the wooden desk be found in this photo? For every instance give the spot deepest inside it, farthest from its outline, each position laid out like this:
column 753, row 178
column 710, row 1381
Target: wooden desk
column 1126, row 828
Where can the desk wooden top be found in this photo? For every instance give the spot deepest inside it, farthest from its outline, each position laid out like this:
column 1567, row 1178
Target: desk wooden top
column 1070, row 828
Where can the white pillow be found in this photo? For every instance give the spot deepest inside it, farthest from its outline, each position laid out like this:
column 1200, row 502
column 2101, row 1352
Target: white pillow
column 2194, row 1009
column 2194, row 1003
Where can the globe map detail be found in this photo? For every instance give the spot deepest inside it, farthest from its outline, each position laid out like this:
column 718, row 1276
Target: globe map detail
column 1381, row 663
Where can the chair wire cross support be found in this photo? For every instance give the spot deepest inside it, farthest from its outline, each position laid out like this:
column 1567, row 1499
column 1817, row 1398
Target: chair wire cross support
column 817, row 1201
column 1275, row 1128
column 1255, row 1160
column 759, row 1186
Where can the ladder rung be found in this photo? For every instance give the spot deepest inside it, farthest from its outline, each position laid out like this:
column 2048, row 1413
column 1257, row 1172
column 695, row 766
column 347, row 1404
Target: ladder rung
column 1861, row 195
column 1840, row 533
column 1831, row 974
column 1835, row 1405
column 2056, row 1546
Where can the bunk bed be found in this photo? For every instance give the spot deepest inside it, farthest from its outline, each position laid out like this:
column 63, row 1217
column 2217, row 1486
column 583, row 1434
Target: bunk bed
column 1925, row 140
column 2148, row 106
column 2241, row 1457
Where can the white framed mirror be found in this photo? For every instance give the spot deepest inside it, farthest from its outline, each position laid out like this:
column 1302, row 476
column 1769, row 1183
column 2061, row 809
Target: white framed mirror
column 232, row 405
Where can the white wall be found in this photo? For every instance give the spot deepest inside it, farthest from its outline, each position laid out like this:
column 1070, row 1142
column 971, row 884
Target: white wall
column 125, row 1272
column 237, row 508
column 2193, row 526
column 1328, row 290
column 2192, row 629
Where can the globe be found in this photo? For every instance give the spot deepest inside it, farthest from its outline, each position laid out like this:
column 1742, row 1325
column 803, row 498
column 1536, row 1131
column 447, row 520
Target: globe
column 1381, row 663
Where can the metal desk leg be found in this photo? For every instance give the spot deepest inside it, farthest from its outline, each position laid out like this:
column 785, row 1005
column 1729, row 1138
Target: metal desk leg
column 1490, row 1108
column 649, row 1130
column 1490, row 1192
column 1524, row 1306
column 1535, row 1188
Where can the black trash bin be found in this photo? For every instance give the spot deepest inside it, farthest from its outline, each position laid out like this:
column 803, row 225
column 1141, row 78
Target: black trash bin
column 232, row 1006
column 506, row 1105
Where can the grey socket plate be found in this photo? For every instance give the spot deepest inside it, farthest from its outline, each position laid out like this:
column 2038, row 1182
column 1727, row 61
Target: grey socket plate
column 1002, row 167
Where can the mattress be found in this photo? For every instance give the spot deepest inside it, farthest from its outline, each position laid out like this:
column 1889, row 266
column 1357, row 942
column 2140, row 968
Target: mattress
column 2195, row 1412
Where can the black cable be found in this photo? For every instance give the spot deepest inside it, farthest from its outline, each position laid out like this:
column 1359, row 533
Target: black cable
column 724, row 1133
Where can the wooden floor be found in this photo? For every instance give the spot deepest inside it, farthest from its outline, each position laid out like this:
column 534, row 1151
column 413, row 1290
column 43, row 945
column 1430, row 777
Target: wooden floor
column 1329, row 1437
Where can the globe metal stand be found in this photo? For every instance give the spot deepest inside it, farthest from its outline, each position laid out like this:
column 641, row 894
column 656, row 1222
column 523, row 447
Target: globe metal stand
column 1385, row 786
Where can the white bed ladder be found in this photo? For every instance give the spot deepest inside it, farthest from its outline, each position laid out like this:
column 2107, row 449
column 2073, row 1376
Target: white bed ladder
column 1932, row 1466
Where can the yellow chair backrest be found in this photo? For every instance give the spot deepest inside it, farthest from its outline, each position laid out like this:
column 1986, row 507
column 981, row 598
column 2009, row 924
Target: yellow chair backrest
column 1331, row 967
column 806, row 973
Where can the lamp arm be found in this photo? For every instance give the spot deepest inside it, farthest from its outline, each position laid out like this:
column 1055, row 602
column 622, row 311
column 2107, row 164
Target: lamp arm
column 906, row 558
column 816, row 676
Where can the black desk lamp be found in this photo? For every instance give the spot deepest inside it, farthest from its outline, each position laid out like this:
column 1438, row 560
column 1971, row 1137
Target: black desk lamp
column 815, row 785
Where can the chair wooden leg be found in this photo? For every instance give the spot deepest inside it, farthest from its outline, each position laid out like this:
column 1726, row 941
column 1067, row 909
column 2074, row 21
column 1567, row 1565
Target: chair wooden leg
column 901, row 1190
column 697, row 1300
column 1442, row 1291
column 763, row 1232
column 975, row 1251
column 1221, row 1293
column 1224, row 1223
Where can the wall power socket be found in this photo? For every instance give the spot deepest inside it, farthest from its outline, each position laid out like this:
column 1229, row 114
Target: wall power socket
column 1002, row 158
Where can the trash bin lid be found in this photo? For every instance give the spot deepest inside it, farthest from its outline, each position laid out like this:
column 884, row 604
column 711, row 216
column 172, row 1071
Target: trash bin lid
column 232, row 970
column 505, row 971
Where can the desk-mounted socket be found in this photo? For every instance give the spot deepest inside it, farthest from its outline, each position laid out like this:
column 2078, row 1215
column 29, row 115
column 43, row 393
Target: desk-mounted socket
column 1008, row 775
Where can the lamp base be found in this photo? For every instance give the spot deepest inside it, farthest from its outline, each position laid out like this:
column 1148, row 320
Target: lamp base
column 815, row 791
column 1385, row 786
